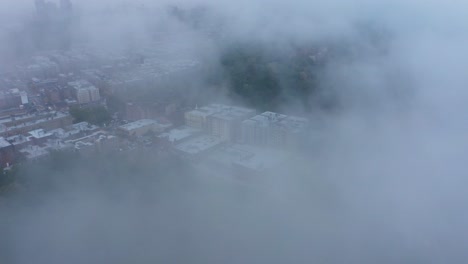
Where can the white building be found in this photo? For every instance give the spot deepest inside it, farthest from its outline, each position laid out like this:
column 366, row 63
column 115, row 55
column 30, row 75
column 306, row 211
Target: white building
column 99, row 141
column 178, row 135
column 143, row 126
column 85, row 92
column 24, row 97
column 198, row 147
column 273, row 129
column 94, row 94
column 219, row 120
column 34, row 152
column 198, row 118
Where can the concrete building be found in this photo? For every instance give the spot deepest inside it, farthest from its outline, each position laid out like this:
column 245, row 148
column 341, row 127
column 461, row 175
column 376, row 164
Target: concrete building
column 134, row 112
column 178, row 135
column 143, row 126
column 198, row 147
column 96, row 142
column 13, row 98
column 15, row 125
column 83, row 127
column 82, row 95
column 107, row 143
column 273, row 129
column 40, row 136
column 57, row 145
column 74, row 131
column 198, row 118
column 85, row 92
column 94, row 94
column 20, row 141
column 24, row 97
column 219, row 120
column 34, row 152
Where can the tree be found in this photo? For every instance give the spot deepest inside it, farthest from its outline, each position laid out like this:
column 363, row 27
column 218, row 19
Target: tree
column 97, row 115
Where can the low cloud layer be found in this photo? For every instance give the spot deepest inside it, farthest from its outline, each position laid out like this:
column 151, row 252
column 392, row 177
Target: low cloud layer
column 383, row 184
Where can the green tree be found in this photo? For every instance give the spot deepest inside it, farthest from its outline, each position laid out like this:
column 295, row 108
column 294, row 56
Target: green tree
column 97, row 115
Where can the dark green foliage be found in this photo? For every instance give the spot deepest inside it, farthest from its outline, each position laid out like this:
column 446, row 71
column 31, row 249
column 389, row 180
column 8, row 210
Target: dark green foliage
column 97, row 115
column 265, row 78
column 250, row 77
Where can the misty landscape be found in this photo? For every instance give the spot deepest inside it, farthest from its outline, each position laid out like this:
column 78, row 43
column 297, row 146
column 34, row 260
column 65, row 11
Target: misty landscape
column 216, row 131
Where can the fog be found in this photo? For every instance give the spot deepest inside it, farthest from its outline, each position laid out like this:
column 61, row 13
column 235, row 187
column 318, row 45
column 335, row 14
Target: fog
column 383, row 182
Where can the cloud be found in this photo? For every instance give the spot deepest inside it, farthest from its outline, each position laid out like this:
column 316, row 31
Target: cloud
column 384, row 185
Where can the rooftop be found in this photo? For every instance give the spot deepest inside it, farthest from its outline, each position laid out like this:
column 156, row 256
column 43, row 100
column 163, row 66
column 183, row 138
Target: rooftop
column 146, row 122
column 57, row 144
column 4, row 143
column 199, row 144
column 292, row 123
column 84, row 126
column 222, row 111
column 138, row 124
column 260, row 159
column 34, row 151
column 89, row 138
column 178, row 134
column 4, row 128
column 81, row 84
column 39, row 133
column 18, row 139
column 268, row 119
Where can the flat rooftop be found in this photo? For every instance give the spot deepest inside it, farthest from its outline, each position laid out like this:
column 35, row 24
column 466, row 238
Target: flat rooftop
column 4, row 143
column 222, row 111
column 37, row 119
column 199, row 144
column 293, row 123
column 267, row 119
column 260, row 159
column 180, row 133
column 18, row 139
column 81, row 84
column 84, row 126
column 39, row 133
column 34, row 151
column 138, row 124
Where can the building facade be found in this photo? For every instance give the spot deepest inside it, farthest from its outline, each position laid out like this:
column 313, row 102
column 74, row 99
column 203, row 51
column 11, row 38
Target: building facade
column 273, row 129
column 221, row 121
column 85, row 92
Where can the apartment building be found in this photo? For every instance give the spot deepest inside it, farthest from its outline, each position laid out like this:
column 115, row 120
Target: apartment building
column 85, row 92
column 273, row 129
column 218, row 120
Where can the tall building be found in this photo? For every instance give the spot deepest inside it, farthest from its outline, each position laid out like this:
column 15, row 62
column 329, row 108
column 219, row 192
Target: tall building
column 198, row 118
column 226, row 124
column 85, row 92
column 94, row 94
column 82, row 95
column 221, row 121
column 143, row 126
column 24, row 97
column 273, row 129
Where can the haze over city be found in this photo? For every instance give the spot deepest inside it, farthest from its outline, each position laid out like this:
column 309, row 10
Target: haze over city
column 257, row 131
